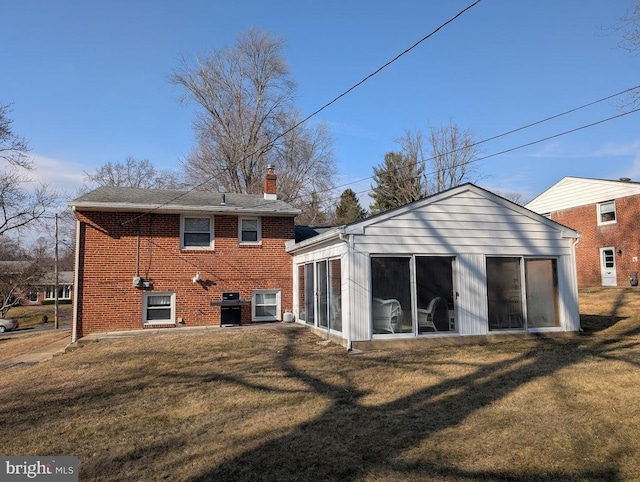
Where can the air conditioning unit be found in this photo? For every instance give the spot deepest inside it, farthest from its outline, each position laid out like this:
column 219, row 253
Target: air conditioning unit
column 137, row 282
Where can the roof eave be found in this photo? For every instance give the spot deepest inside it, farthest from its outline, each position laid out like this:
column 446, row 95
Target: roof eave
column 178, row 209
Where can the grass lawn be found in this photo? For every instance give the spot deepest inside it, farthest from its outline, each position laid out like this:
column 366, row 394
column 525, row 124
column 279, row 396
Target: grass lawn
column 33, row 316
column 275, row 404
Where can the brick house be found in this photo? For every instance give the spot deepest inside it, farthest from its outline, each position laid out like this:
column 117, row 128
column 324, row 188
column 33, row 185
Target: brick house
column 607, row 215
column 164, row 258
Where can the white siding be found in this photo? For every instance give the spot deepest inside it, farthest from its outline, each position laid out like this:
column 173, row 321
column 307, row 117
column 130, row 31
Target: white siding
column 361, row 286
column 571, row 192
column 568, row 293
column 466, row 223
column 469, row 224
column 472, row 288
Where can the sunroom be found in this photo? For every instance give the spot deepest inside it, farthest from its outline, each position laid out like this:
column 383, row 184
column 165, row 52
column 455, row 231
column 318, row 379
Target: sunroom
column 461, row 263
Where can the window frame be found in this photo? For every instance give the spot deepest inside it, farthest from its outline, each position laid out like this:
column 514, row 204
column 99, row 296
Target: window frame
column 258, row 220
column 278, row 305
column 186, row 247
column 601, row 212
column 145, row 307
column 64, row 292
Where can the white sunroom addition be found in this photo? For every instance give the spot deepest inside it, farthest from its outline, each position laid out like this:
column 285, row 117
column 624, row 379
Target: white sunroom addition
column 463, row 262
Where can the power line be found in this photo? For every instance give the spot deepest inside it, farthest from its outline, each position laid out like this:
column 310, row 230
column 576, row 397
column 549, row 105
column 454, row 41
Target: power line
column 512, row 131
column 313, row 114
column 528, row 144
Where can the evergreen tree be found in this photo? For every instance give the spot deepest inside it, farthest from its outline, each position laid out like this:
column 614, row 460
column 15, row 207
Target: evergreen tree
column 349, row 208
column 399, row 180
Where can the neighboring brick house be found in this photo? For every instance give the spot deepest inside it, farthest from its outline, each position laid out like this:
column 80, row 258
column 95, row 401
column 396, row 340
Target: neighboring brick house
column 44, row 290
column 607, row 215
column 162, row 258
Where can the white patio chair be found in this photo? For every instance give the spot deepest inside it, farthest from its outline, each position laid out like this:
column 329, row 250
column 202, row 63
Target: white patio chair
column 387, row 316
column 425, row 316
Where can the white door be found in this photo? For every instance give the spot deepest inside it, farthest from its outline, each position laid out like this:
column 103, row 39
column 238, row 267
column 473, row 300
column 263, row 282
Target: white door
column 608, row 267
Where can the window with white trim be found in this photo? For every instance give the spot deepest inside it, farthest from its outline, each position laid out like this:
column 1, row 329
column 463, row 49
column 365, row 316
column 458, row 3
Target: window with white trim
column 607, row 212
column 265, row 305
column 196, row 232
column 158, row 308
column 64, row 292
column 249, row 231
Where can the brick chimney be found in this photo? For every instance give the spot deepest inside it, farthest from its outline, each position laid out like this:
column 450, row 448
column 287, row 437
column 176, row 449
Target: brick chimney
column 270, row 184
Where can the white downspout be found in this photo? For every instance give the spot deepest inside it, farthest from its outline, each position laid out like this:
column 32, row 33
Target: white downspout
column 76, row 283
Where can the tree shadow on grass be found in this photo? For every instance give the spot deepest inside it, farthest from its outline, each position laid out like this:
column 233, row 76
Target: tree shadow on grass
column 327, row 448
column 595, row 323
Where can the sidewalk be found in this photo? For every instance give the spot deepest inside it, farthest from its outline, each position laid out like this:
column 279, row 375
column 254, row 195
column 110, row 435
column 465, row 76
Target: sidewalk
column 41, row 354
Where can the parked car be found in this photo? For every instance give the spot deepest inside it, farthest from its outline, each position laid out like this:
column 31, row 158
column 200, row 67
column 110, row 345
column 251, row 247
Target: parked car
column 8, row 324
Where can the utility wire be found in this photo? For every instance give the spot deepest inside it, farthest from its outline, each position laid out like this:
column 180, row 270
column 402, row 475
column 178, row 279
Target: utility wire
column 512, row 131
column 316, row 112
column 528, row 144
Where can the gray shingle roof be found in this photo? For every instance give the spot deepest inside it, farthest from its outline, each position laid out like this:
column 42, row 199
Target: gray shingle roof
column 129, row 199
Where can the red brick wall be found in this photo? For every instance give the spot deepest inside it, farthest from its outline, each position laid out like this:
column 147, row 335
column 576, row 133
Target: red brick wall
column 108, row 257
column 622, row 235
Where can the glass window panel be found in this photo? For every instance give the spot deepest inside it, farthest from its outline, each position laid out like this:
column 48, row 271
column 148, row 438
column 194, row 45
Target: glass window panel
column 322, row 288
column 607, row 211
column 335, row 295
column 504, row 292
column 434, row 280
column 309, row 294
column 197, row 224
column 266, row 310
column 542, row 293
column 249, row 236
column 608, row 258
column 197, row 239
column 158, row 300
column 301, row 293
column 391, row 295
column 250, row 224
column 157, row 314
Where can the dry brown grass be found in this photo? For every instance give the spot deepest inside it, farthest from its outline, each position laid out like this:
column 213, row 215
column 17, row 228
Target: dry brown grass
column 32, row 316
column 274, row 404
column 13, row 345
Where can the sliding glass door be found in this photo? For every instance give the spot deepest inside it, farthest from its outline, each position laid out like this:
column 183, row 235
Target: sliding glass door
column 319, row 294
column 507, row 297
column 435, row 294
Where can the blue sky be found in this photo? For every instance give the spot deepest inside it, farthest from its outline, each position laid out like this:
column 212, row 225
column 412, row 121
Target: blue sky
column 88, row 80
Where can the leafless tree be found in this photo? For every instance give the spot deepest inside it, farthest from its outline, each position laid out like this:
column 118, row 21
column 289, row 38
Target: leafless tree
column 245, row 120
column 13, row 149
column 17, row 279
column 133, row 173
column 513, row 196
column 22, row 202
column 451, row 154
column 628, row 27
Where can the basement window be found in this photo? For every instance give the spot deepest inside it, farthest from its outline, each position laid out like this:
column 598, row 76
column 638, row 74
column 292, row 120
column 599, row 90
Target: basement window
column 265, row 305
column 607, row 212
column 158, row 308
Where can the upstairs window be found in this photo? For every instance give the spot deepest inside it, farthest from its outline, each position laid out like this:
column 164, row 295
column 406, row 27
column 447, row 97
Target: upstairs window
column 249, row 231
column 607, row 212
column 196, row 232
